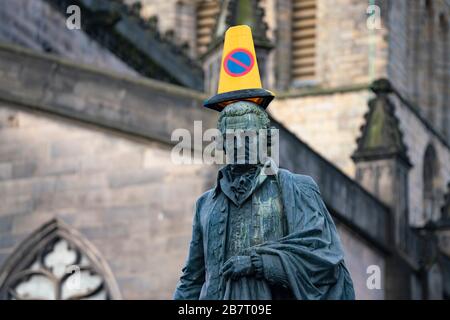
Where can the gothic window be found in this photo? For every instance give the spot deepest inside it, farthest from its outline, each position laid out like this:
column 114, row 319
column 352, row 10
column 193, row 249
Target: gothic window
column 207, row 12
column 431, row 184
column 56, row 263
column 303, row 41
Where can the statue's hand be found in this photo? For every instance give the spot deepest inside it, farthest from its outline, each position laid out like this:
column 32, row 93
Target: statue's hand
column 237, row 266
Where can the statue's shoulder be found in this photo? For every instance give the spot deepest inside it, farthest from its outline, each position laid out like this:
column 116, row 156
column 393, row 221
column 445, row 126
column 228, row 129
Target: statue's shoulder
column 302, row 181
column 204, row 198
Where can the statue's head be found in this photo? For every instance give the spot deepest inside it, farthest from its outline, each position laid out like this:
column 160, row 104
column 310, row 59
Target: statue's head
column 242, row 124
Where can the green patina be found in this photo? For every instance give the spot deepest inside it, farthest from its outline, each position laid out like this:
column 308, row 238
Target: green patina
column 262, row 236
column 244, row 14
column 375, row 130
column 381, row 135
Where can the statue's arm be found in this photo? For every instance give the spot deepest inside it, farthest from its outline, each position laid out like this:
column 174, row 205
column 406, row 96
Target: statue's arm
column 269, row 267
column 193, row 277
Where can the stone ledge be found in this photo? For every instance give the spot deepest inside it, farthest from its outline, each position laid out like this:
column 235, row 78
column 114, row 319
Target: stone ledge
column 51, row 58
column 319, row 91
column 139, row 106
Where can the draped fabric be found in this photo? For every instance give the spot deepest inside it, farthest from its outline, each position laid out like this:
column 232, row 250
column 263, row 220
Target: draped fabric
column 311, row 253
column 247, row 288
column 308, row 261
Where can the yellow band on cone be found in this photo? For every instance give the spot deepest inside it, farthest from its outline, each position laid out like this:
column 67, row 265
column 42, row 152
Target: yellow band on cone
column 239, row 68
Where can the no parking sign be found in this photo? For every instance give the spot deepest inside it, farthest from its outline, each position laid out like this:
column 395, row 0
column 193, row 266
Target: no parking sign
column 238, row 62
column 239, row 67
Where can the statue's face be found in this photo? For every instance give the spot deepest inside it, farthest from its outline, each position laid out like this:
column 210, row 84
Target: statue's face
column 241, row 136
column 246, row 122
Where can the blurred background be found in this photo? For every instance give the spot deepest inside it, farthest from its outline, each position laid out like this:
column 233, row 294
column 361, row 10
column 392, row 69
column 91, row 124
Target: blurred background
column 92, row 207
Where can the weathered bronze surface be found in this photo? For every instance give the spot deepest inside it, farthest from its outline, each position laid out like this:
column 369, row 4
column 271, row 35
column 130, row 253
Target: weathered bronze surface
column 260, row 236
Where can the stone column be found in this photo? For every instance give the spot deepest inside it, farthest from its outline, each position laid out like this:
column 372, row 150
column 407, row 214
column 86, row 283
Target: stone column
column 283, row 36
column 382, row 167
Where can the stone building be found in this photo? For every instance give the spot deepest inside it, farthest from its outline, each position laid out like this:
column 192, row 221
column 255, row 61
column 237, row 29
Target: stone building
column 86, row 118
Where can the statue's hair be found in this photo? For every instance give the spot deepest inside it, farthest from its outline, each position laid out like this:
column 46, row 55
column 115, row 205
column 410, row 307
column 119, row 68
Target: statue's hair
column 241, row 108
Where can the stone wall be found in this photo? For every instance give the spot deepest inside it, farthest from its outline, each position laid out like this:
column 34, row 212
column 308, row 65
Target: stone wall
column 418, row 136
column 121, row 193
column 173, row 16
column 402, row 47
column 329, row 123
column 111, row 184
column 36, row 25
column 419, row 58
column 361, row 257
column 165, row 10
column 348, row 52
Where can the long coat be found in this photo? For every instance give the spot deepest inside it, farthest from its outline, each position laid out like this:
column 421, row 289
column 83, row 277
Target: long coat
column 310, row 253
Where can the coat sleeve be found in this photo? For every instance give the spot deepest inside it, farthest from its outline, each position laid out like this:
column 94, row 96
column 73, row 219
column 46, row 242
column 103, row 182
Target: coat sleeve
column 273, row 270
column 311, row 254
column 193, row 273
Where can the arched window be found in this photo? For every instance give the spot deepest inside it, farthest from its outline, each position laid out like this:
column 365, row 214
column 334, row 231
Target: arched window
column 207, row 13
column 431, row 184
column 303, row 41
column 56, row 263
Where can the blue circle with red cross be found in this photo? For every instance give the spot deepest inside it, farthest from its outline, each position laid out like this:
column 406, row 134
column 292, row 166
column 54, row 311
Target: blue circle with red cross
column 238, row 62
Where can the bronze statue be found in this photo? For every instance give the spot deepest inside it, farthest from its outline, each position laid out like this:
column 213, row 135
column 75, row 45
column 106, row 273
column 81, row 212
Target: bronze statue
column 261, row 232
